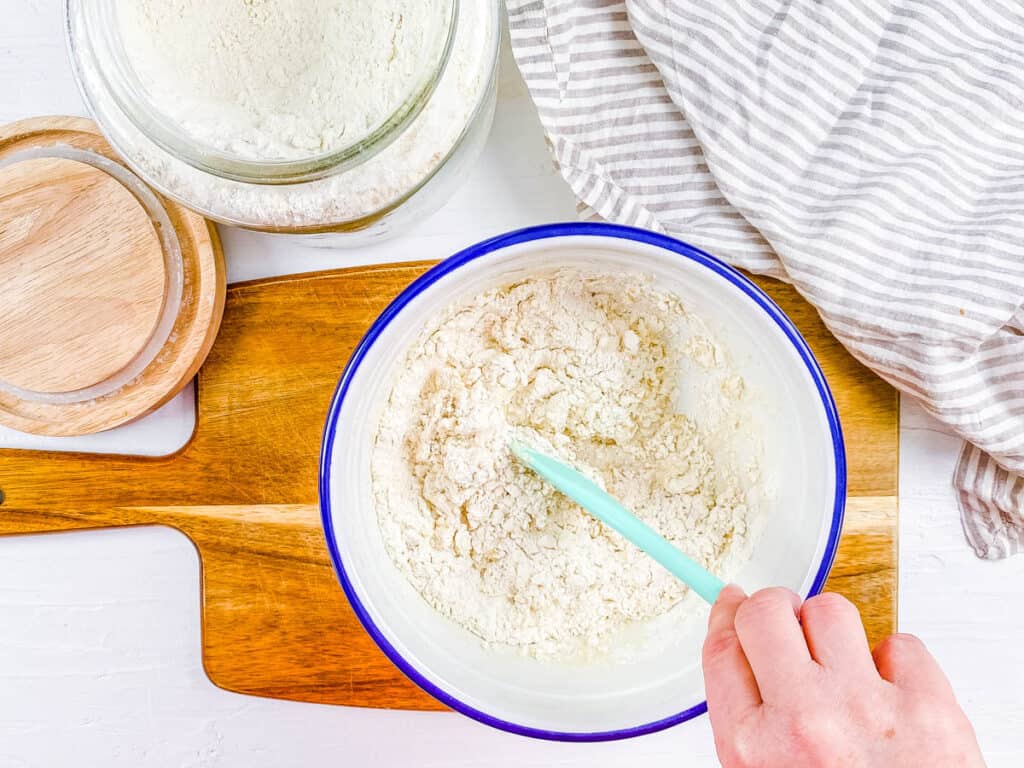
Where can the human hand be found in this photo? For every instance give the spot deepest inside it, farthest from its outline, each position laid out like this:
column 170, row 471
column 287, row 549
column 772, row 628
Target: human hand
column 796, row 686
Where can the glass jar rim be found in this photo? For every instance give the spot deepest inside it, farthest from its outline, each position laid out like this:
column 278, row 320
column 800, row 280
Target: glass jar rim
column 125, row 90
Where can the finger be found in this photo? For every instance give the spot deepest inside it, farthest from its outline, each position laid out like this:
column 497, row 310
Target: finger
column 904, row 661
column 835, row 636
column 731, row 689
column 773, row 642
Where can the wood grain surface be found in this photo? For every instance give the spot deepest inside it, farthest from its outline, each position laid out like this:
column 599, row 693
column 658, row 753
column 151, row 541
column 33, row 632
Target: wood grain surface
column 82, row 284
column 275, row 621
column 82, row 272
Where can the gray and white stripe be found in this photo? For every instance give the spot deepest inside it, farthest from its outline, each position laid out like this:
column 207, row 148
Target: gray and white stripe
column 616, row 134
column 870, row 152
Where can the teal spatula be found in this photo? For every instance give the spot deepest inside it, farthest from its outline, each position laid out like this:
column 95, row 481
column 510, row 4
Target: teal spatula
column 588, row 495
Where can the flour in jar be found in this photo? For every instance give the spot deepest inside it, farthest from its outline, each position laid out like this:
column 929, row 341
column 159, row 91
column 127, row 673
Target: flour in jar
column 281, row 79
column 260, row 80
column 592, row 368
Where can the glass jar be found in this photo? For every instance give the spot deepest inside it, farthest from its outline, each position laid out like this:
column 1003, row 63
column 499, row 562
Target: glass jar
column 378, row 183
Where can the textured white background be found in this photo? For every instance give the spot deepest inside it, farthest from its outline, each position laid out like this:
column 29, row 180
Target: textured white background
column 99, row 632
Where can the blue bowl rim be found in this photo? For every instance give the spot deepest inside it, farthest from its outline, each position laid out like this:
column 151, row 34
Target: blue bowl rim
column 544, row 232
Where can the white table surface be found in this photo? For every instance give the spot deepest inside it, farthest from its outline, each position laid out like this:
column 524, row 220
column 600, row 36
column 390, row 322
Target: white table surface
column 99, row 632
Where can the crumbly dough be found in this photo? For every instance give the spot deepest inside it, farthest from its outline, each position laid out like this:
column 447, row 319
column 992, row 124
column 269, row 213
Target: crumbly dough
column 586, row 366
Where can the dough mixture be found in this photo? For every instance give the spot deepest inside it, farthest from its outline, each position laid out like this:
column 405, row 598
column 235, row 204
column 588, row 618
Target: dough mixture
column 591, row 368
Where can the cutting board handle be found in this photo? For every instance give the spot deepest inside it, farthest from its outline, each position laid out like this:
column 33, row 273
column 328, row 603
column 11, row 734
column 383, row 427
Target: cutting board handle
column 54, row 491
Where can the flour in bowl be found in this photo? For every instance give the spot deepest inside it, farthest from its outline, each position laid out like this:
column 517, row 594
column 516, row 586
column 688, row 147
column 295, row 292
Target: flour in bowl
column 592, row 368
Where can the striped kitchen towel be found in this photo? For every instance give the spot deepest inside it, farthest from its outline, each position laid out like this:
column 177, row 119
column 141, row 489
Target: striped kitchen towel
column 870, row 152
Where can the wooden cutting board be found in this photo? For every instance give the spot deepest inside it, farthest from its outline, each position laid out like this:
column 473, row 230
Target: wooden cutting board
column 275, row 620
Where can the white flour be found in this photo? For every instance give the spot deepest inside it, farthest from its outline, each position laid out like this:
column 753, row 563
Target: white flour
column 353, row 195
column 280, row 79
column 592, row 368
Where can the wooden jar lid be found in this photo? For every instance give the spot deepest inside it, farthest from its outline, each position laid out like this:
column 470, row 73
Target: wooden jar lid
column 111, row 295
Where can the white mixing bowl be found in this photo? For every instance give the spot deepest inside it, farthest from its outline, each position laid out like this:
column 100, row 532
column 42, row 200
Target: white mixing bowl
column 803, row 459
